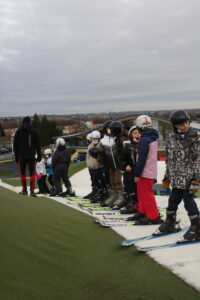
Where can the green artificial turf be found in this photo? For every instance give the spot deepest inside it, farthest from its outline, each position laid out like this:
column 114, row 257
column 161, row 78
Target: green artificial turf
column 50, row 251
column 5, row 172
column 73, row 168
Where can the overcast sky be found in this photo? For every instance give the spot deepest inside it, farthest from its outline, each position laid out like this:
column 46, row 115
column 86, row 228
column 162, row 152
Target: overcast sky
column 79, row 56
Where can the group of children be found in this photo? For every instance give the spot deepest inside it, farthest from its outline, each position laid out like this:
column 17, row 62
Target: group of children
column 123, row 168
column 54, row 168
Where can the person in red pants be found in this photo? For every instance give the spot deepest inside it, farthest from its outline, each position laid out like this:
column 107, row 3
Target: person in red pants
column 26, row 145
column 146, row 173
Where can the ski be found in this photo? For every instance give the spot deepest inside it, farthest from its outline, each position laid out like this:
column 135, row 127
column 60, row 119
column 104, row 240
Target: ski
column 115, row 218
column 103, row 209
column 177, row 244
column 127, row 243
column 89, row 205
column 115, row 224
column 105, row 213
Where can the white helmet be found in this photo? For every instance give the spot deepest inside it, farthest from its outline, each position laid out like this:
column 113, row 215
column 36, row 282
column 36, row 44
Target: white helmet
column 60, row 142
column 131, row 129
column 47, row 151
column 95, row 135
column 88, row 137
column 143, row 122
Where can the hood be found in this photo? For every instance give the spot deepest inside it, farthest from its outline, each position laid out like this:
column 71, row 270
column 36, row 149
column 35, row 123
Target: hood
column 61, row 148
column 26, row 127
column 151, row 133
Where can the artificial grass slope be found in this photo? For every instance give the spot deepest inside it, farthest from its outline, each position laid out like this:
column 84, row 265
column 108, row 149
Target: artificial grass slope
column 50, row 251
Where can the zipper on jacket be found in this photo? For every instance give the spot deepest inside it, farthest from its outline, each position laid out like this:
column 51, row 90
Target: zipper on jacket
column 29, row 141
column 112, row 156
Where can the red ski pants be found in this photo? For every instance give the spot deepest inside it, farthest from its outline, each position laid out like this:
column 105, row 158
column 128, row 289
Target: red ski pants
column 146, row 199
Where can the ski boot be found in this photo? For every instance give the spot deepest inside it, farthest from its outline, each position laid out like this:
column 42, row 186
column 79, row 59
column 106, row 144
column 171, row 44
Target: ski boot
column 147, row 221
column 193, row 233
column 129, row 208
column 91, row 194
column 56, row 194
column 68, row 193
column 97, row 196
column 169, row 225
column 112, row 198
column 131, row 205
column 136, row 217
column 121, row 201
column 105, row 196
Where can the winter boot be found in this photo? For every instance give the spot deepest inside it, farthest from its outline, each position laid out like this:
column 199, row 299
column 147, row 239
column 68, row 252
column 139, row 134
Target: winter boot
column 169, row 225
column 32, row 194
column 23, row 192
column 121, row 200
column 193, row 233
column 112, row 198
column 69, row 193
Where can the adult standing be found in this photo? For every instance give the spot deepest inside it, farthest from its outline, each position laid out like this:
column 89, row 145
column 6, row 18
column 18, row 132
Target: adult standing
column 26, row 145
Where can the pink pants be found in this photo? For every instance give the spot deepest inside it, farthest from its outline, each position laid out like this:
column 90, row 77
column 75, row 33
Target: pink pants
column 146, row 199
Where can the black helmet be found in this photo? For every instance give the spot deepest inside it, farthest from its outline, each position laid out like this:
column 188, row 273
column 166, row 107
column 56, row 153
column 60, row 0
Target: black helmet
column 106, row 125
column 179, row 116
column 116, row 128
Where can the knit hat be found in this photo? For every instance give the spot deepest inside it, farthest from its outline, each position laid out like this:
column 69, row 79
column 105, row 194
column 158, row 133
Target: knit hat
column 26, row 120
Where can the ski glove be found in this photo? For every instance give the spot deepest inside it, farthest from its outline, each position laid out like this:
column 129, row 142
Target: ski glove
column 165, row 183
column 94, row 152
column 194, row 186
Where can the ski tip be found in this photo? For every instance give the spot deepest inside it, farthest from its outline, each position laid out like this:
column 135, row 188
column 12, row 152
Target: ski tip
column 142, row 250
column 124, row 244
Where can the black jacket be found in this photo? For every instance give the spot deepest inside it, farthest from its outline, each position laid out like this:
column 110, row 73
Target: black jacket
column 129, row 154
column 26, row 143
column 61, row 157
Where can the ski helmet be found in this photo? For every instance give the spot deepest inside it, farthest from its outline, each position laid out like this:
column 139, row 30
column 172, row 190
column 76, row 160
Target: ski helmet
column 60, row 142
column 143, row 122
column 47, row 151
column 106, row 125
column 88, row 137
column 116, row 127
column 179, row 116
column 95, row 135
column 131, row 129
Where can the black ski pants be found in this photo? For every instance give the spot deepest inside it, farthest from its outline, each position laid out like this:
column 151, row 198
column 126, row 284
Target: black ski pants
column 177, row 195
column 61, row 174
column 43, row 188
column 23, row 163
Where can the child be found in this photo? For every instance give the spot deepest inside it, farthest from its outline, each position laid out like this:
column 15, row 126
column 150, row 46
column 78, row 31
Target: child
column 41, row 175
column 183, row 173
column 49, row 168
column 129, row 162
column 146, row 173
column 112, row 146
column 60, row 163
column 95, row 167
column 92, row 193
